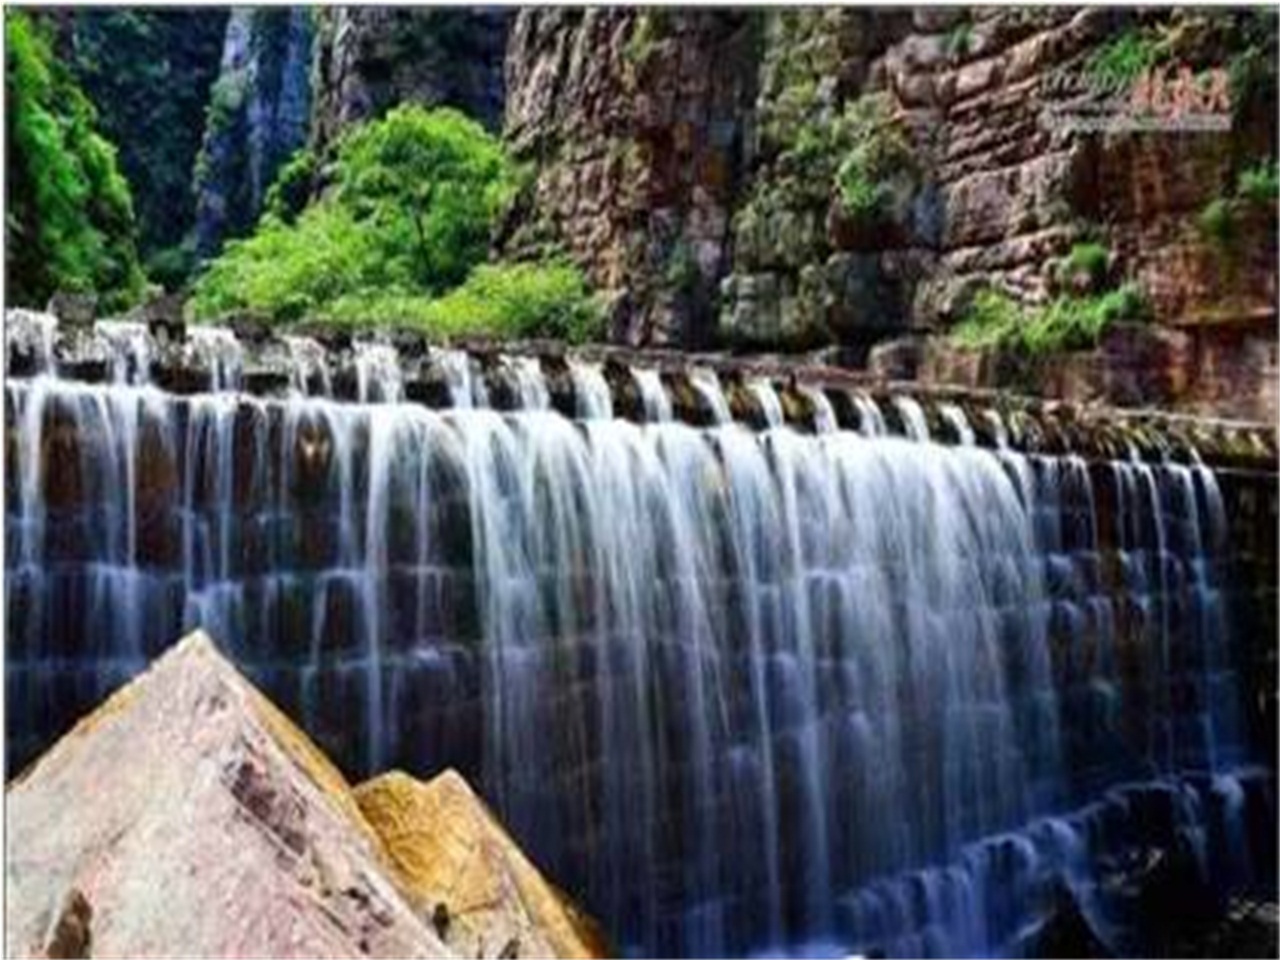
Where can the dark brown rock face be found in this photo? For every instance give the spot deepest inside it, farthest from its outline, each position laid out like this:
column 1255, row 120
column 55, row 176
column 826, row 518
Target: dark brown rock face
column 368, row 59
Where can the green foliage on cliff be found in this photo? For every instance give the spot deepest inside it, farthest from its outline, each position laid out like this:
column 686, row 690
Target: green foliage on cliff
column 401, row 235
column 431, row 181
column 1066, row 323
column 294, row 186
column 70, row 221
column 1259, row 184
column 148, row 74
column 1257, row 188
column 877, row 161
column 958, row 40
column 1086, row 264
column 1216, row 222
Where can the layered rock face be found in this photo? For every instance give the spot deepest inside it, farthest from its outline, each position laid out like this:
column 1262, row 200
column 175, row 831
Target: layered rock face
column 186, row 816
column 635, row 122
column 368, row 59
column 632, row 119
column 258, row 116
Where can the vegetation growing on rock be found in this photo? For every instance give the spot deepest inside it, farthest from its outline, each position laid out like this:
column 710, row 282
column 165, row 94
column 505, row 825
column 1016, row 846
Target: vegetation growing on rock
column 402, row 234
column 877, row 163
column 70, row 222
column 1068, row 322
column 1257, row 188
column 148, row 74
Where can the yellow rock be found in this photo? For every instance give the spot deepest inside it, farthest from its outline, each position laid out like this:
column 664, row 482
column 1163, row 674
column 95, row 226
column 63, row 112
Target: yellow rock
column 458, row 865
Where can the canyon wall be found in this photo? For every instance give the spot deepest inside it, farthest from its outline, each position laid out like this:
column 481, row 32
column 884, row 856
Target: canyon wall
column 368, row 59
column 258, row 115
column 694, row 163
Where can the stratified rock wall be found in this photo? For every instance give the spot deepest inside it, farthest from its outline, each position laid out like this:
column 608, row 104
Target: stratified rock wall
column 258, row 116
column 635, row 122
column 688, row 161
column 368, row 59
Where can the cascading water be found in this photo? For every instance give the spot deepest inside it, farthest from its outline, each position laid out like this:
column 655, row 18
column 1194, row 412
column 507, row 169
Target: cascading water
column 594, row 398
column 739, row 691
column 653, row 396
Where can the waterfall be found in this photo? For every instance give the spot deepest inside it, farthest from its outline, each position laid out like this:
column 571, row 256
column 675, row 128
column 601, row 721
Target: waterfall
column 378, row 375
column 653, row 395
column 466, row 390
column 741, row 692
column 531, row 386
column 770, row 402
column 220, row 350
column 131, row 350
column 824, row 414
column 308, row 366
column 707, row 385
column 594, row 400
column 954, row 417
column 870, row 418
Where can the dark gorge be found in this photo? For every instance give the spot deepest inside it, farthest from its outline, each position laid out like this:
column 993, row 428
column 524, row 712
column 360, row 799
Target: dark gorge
column 749, row 658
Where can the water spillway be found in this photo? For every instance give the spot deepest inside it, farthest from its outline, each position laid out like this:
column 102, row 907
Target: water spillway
column 747, row 664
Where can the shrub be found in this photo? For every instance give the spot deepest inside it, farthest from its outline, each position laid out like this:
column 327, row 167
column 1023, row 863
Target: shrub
column 504, row 300
column 1066, row 323
column 433, row 178
column 170, row 267
column 293, row 186
column 70, row 222
column 414, row 196
column 958, row 40
column 286, row 271
column 877, row 160
column 1089, row 258
column 1256, row 186
column 1260, row 184
column 1215, row 221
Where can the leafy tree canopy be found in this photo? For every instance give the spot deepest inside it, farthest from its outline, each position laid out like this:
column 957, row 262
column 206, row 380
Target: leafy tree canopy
column 70, row 222
column 400, row 235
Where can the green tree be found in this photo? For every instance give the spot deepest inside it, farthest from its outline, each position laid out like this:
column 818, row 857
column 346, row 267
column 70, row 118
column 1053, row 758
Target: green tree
column 434, row 180
column 70, row 222
column 399, row 235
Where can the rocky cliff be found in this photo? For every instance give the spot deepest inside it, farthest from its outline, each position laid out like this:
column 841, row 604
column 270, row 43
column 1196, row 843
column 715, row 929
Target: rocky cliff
column 815, row 177
column 258, row 115
column 368, row 59
column 635, row 123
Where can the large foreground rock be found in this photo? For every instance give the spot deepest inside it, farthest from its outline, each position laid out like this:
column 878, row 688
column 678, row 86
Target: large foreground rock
column 461, row 867
column 186, row 817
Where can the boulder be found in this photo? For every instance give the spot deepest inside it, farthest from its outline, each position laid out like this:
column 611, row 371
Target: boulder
column 461, row 868
column 186, row 816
